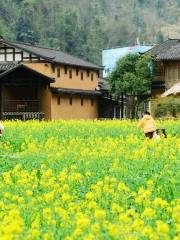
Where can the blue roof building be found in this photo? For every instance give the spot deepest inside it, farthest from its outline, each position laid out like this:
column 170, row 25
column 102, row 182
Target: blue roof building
column 111, row 56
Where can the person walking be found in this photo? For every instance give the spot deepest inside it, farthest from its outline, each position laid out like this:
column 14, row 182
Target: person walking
column 1, row 129
column 147, row 123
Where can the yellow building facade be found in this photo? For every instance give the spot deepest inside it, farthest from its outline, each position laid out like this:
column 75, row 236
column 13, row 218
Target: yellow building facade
column 59, row 85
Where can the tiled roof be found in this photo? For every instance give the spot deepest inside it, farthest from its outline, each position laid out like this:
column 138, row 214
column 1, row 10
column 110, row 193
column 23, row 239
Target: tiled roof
column 53, row 55
column 75, row 91
column 169, row 50
column 22, row 67
column 4, row 66
column 104, row 85
column 173, row 90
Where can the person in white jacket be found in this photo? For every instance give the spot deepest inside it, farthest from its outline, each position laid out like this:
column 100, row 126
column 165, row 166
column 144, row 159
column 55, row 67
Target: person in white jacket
column 1, row 129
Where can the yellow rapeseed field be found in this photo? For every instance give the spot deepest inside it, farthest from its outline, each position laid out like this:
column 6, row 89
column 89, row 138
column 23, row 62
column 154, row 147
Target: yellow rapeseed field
column 88, row 180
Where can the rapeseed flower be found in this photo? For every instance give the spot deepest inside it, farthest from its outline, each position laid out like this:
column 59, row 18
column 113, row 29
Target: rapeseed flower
column 74, row 180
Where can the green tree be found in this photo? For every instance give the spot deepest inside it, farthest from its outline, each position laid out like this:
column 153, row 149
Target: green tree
column 93, row 37
column 25, row 29
column 84, row 27
column 71, row 31
column 168, row 107
column 132, row 76
column 160, row 37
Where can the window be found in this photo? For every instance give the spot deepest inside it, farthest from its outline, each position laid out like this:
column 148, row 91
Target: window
column 70, row 100
column 82, row 75
column 70, row 73
column 92, row 102
column 58, row 72
column 88, row 73
column 53, row 68
column 58, row 100
column 92, row 77
column 65, row 69
column 173, row 72
column 77, row 71
column 82, row 101
column 98, row 74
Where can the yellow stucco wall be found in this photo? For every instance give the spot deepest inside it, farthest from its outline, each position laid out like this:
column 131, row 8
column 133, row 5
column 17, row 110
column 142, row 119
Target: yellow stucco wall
column 64, row 81
column 74, row 111
column 50, row 107
column 46, row 101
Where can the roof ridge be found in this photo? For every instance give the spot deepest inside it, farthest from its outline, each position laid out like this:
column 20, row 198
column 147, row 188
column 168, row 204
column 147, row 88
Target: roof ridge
column 69, row 59
column 157, row 46
column 30, row 45
column 178, row 39
column 26, row 67
column 48, row 48
column 130, row 46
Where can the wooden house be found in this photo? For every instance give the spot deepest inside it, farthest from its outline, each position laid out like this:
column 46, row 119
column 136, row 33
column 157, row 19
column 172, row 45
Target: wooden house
column 38, row 82
column 166, row 58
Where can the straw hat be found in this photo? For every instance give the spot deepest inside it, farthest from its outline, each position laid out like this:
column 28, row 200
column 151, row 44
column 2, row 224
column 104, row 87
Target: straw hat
column 172, row 91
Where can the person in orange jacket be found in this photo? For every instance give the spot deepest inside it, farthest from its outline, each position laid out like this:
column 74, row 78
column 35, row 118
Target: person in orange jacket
column 148, row 125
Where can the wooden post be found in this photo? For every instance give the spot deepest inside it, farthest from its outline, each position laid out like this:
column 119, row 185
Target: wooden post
column 122, row 105
column 2, row 100
column 39, row 98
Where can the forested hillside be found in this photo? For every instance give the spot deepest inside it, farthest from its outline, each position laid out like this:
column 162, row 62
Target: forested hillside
column 84, row 27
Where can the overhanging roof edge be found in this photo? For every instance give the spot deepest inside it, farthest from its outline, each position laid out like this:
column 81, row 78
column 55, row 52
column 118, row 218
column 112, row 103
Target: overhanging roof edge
column 52, row 80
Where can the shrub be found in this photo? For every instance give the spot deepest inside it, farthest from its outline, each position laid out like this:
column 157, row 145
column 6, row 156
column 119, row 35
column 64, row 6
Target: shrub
column 169, row 106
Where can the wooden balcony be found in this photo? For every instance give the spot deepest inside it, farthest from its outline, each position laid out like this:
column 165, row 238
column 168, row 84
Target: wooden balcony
column 22, row 109
column 21, row 106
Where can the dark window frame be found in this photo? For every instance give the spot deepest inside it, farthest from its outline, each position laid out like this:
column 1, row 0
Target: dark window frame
column 82, row 101
column 53, row 68
column 70, row 74
column 82, row 76
column 88, row 73
column 77, row 71
column 70, row 101
column 58, row 72
column 98, row 73
column 65, row 69
column 92, row 102
column 92, row 77
column 58, row 100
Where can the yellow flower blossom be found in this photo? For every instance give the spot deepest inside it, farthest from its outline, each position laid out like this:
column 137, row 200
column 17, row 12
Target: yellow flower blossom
column 148, row 213
column 162, row 227
column 88, row 180
column 100, row 214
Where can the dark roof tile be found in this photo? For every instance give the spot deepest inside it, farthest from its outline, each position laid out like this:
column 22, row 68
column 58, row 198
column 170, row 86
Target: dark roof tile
column 4, row 66
column 75, row 91
column 104, row 85
column 20, row 67
column 53, row 55
column 169, row 50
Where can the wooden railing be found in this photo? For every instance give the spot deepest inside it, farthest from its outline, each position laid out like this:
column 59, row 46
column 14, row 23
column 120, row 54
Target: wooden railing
column 21, row 106
column 22, row 115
